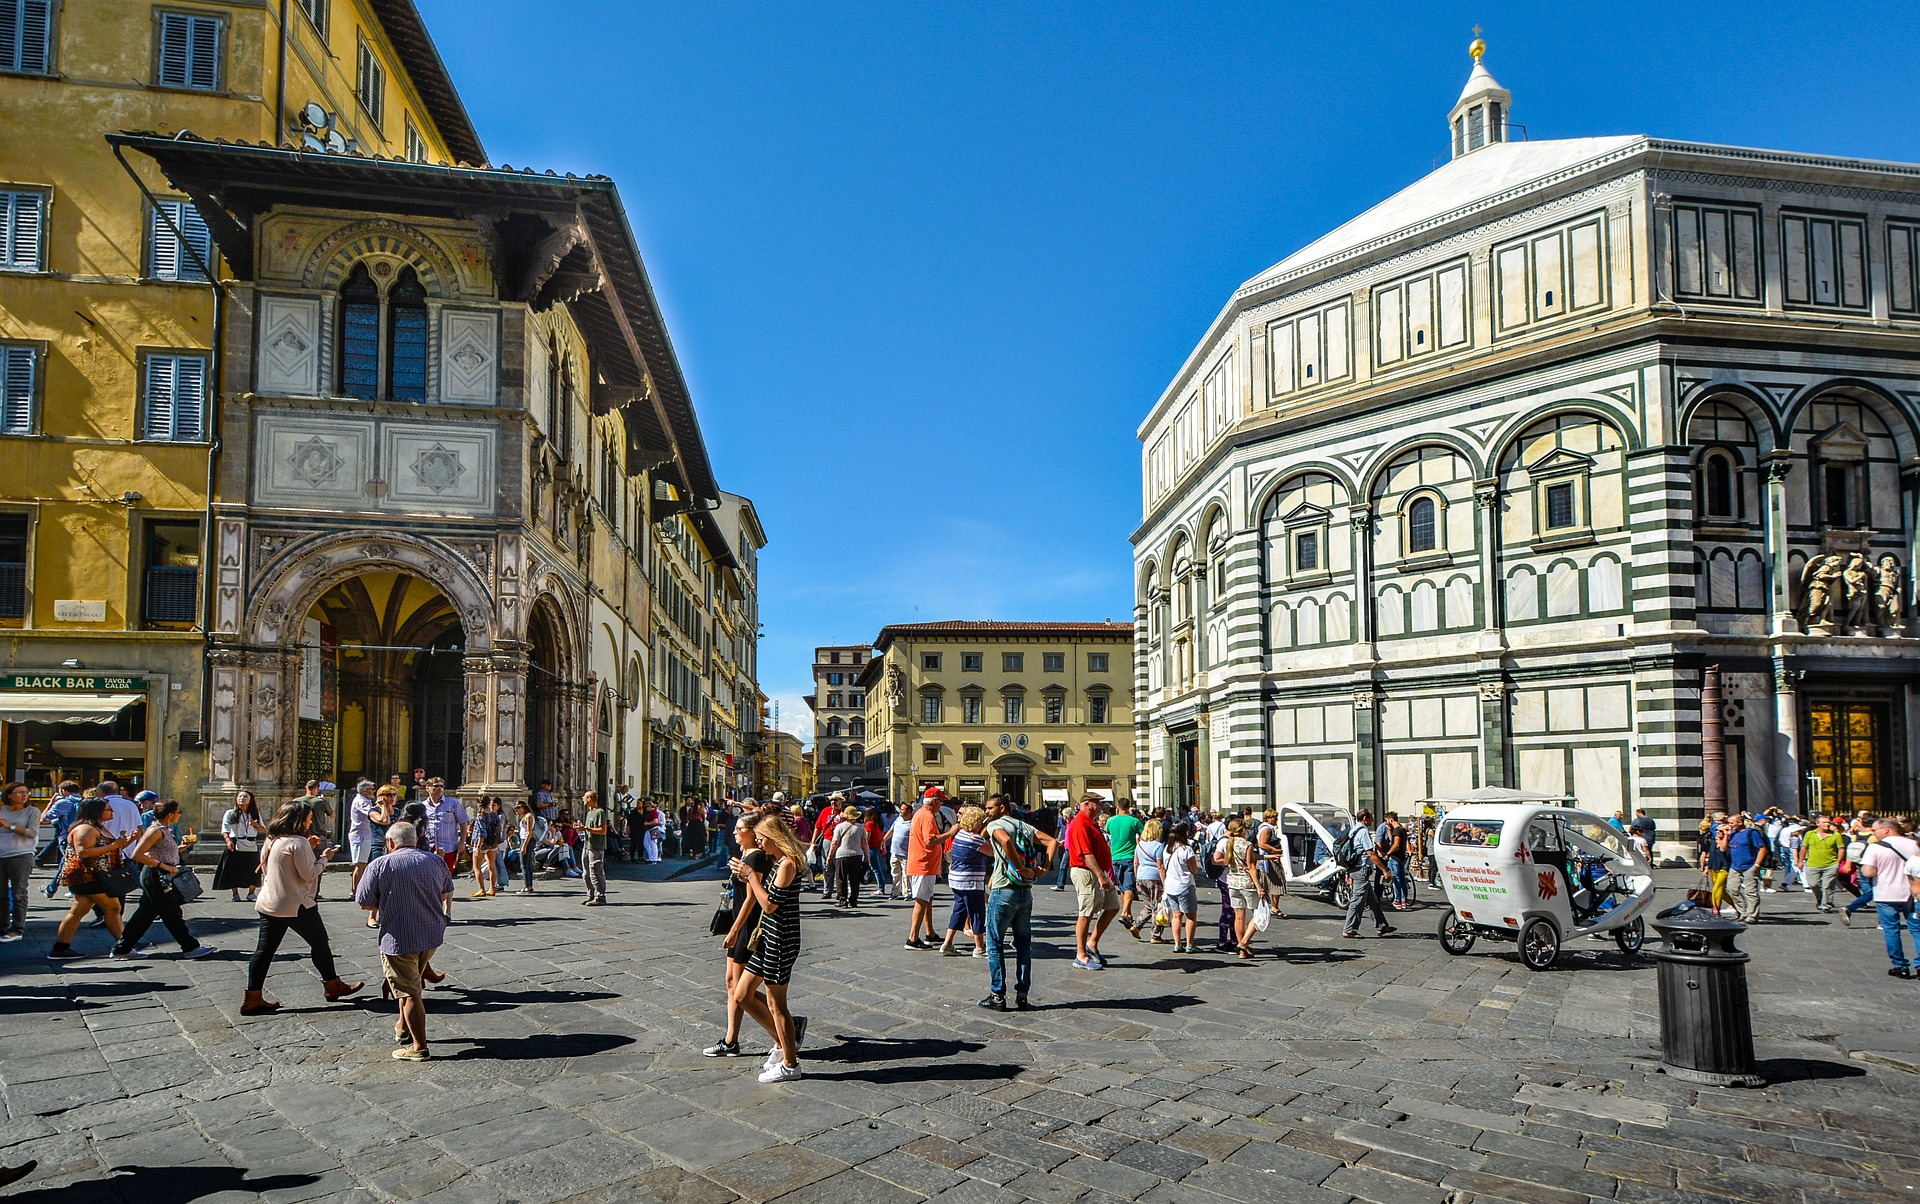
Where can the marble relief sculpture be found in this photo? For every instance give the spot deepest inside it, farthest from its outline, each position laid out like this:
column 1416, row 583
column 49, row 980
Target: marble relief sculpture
column 1845, row 593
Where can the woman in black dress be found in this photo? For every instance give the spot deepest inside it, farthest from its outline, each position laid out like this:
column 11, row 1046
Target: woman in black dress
column 777, row 947
column 239, row 866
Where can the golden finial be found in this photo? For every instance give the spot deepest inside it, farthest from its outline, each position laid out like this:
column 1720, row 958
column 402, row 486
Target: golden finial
column 1479, row 46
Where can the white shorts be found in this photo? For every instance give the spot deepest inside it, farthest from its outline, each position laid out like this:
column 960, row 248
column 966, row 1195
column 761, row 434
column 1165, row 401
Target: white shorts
column 920, row 887
column 361, row 850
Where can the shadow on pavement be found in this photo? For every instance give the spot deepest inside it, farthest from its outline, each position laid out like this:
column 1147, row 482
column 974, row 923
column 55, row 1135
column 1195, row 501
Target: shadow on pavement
column 893, row 1049
column 77, row 995
column 924, row 1072
column 162, row 1185
column 1166, row 1005
column 470, row 1001
column 1805, row 1070
column 531, row 1048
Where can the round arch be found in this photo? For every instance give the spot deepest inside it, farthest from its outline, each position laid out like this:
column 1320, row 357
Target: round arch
column 1376, row 471
column 310, row 570
column 1338, row 475
column 1900, row 423
column 1587, row 407
column 380, row 238
column 1757, row 410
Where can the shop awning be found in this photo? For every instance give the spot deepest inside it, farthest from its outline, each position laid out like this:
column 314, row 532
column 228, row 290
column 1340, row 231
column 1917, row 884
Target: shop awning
column 63, row 708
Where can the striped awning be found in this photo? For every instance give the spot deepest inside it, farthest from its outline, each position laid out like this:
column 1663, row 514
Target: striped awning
column 27, row 707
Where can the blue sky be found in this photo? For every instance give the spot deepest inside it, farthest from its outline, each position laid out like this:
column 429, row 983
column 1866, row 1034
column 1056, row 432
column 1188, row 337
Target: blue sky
column 927, row 266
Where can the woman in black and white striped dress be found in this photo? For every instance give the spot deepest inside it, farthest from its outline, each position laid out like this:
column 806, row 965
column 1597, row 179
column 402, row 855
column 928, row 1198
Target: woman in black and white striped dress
column 778, row 947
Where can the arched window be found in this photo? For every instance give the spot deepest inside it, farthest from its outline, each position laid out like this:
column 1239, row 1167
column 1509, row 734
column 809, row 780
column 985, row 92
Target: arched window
column 1715, row 486
column 1422, row 531
column 407, row 338
column 856, row 755
column 835, row 754
column 359, row 335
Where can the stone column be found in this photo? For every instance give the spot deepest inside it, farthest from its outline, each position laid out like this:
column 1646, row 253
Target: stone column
column 226, row 737
column 1496, row 733
column 1786, row 718
column 1360, row 518
column 1713, row 749
column 1775, row 519
column 1486, row 498
column 1366, row 748
column 507, row 687
column 477, row 738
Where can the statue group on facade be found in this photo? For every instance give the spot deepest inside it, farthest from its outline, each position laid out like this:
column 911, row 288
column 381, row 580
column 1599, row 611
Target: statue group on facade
column 1845, row 593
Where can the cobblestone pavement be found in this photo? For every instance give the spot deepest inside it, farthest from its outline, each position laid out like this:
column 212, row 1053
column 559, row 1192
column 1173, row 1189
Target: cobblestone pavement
column 567, row 1069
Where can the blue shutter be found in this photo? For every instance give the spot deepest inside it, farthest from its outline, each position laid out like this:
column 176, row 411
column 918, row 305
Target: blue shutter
column 169, row 259
column 21, row 223
column 175, row 401
column 16, row 390
column 26, row 36
column 157, row 422
column 190, row 51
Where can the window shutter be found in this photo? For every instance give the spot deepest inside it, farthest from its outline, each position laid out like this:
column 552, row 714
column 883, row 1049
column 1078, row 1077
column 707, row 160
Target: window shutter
column 205, row 34
column 26, row 28
column 175, row 50
column 158, row 423
column 171, row 260
column 16, row 390
column 20, row 229
column 190, row 51
column 165, row 253
column 189, row 397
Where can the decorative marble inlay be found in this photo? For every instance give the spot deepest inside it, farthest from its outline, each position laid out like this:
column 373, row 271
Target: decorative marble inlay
column 315, row 461
column 438, row 468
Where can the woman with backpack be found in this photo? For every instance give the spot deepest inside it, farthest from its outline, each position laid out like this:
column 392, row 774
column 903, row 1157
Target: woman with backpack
column 1149, row 878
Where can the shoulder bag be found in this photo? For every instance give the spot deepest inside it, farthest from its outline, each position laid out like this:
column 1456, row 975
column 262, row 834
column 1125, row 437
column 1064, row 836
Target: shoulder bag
column 186, row 884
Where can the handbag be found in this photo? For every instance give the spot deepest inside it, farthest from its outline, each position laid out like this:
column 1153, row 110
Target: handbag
column 1701, row 895
column 759, row 935
column 186, row 884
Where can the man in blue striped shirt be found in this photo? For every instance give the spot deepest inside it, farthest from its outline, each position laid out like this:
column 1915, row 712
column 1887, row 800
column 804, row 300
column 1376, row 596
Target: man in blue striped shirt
column 410, row 889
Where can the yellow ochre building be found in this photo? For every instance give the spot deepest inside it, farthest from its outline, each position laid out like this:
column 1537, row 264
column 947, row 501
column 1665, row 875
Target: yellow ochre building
column 1040, row 712
column 106, row 338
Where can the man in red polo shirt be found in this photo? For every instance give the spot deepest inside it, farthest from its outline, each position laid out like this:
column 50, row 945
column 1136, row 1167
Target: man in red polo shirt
column 1090, row 865
column 926, row 848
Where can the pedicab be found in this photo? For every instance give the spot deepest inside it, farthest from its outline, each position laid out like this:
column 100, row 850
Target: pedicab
column 1311, row 832
column 1540, row 875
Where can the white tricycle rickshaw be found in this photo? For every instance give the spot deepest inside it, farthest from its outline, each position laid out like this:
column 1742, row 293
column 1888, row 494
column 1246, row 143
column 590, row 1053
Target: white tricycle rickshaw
column 1311, row 832
column 1540, row 875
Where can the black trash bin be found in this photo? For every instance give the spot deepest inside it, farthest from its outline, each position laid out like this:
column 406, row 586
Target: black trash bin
column 1706, row 1027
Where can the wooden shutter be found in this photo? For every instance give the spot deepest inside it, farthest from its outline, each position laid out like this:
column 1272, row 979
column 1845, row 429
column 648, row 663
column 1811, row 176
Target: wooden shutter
column 16, row 390
column 26, row 29
column 190, row 51
column 170, row 260
column 189, row 396
column 20, row 226
column 164, row 254
column 158, row 420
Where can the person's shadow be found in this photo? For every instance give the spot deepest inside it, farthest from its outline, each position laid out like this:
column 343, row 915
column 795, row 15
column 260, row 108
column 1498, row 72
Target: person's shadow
column 161, row 1185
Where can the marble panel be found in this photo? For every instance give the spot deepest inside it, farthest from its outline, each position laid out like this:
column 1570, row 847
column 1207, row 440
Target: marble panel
column 307, row 461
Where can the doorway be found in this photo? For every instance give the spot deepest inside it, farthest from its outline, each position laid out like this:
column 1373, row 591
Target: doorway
column 1847, row 755
column 440, row 696
column 1187, row 766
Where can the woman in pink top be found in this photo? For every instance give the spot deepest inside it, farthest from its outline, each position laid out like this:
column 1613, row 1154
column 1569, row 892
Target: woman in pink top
column 290, row 869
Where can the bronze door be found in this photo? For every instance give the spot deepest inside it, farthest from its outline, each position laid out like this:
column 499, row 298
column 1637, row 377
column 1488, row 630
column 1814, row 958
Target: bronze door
column 1846, row 750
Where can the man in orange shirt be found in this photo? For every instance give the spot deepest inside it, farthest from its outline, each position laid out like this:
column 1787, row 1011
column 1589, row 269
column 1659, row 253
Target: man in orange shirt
column 926, row 847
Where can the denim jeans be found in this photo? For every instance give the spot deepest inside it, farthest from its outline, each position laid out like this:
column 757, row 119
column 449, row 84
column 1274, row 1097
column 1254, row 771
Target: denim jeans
column 1397, row 866
column 18, row 871
column 1892, row 917
column 882, row 872
column 1010, row 907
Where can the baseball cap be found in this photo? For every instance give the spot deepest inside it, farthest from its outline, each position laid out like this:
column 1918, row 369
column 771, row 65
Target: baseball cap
column 933, row 792
column 145, row 797
column 779, row 796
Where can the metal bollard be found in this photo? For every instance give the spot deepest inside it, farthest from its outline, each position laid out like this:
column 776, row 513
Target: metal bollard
column 1706, row 1025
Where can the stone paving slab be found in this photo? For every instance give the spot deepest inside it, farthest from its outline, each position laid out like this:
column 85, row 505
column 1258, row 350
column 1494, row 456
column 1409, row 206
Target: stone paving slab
column 567, row 1069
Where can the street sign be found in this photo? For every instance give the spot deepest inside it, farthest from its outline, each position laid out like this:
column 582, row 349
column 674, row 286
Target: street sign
column 79, row 683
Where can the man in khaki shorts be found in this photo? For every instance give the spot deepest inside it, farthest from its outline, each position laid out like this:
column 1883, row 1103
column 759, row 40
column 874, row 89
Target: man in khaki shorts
column 410, row 890
column 1090, row 866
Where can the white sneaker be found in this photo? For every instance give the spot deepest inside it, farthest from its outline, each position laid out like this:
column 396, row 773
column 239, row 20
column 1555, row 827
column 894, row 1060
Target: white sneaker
column 779, row 1072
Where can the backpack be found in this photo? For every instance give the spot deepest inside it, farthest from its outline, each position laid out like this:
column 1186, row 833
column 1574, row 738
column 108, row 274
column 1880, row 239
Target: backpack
column 1345, row 855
